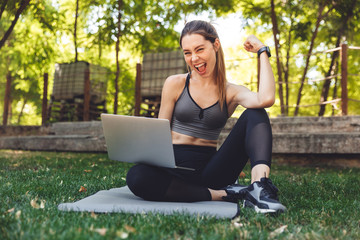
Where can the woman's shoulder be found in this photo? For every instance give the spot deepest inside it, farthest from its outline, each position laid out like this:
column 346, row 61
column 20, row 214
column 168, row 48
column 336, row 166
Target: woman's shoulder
column 175, row 81
column 177, row 77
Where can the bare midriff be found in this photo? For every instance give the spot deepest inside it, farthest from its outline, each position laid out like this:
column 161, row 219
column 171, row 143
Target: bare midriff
column 178, row 138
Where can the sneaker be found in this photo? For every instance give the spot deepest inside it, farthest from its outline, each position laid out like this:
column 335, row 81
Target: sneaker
column 262, row 197
column 235, row 193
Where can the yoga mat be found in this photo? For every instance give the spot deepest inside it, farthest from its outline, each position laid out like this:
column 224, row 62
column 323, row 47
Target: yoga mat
column 123, row 200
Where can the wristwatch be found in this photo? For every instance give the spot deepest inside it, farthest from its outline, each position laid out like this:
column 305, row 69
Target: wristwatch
column 263, row 49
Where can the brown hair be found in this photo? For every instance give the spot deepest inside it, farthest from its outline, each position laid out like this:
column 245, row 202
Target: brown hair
column 208, row 31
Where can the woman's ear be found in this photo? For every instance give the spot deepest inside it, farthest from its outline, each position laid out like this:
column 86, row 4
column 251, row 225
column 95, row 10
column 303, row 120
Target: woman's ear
column 217, row 44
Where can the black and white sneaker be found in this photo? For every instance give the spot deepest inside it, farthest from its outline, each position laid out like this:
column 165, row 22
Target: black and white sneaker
column 235, row 193
column 262, row 197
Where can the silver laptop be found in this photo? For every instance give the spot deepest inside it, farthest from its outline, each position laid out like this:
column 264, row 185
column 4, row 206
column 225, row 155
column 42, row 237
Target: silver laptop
column 139, row 140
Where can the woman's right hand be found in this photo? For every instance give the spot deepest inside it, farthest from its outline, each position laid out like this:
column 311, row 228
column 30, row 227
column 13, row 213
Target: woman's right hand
column 253, row 44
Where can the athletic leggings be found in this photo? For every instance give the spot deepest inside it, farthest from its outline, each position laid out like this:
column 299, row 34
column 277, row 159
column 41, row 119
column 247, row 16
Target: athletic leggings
column 250, row 138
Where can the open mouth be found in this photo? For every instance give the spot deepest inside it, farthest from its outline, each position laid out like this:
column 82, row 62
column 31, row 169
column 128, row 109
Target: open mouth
column 200, row 67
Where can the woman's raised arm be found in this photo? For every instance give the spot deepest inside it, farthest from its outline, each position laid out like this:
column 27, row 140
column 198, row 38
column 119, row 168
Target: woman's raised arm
column 265, row 97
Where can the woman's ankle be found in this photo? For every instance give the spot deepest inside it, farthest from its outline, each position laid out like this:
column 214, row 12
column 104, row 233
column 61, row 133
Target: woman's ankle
column 216, row 195
column 259, row 171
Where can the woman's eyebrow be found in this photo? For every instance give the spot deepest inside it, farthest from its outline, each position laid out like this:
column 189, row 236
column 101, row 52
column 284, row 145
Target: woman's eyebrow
column 199, row 46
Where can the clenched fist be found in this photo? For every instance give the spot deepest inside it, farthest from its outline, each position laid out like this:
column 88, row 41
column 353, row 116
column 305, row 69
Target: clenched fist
column 253, row 44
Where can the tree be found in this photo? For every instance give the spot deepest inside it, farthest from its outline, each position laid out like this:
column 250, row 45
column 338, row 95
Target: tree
column 118, row 35
column 75, row 29
column 294, row 33
column 320, row 16
column 346, row 12
column 12, row 8
column 26, row 55
column 278, row 64
column 146, row 25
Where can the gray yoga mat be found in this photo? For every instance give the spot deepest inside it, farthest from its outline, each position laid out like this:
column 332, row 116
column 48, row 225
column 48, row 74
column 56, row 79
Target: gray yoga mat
column 123, row 200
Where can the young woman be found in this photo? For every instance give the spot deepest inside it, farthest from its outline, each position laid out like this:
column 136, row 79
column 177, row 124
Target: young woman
column 198, row 105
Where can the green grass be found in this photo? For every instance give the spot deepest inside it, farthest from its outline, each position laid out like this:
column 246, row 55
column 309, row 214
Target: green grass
column 322, row 203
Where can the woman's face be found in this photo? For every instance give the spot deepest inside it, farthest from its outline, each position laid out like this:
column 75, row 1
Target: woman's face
column 200, row 54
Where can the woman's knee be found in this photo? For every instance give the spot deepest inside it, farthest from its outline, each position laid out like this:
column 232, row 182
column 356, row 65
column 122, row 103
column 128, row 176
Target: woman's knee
column 252, row 117
column 136, row 178
column 147, row 182
column 258, row 114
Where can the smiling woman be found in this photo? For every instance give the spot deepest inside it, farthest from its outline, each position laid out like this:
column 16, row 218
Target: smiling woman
column 198, row 105
column 204, row 55
column 198, row 52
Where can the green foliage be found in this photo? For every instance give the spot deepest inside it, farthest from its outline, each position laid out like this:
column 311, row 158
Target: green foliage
column 323, row 203
column 28, row 53
column 43, row 36
column 296, row 23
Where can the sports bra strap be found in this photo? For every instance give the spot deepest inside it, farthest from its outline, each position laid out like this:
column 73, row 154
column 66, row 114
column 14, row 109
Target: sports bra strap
column 187, row 80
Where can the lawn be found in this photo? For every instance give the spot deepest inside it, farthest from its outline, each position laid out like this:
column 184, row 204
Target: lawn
column 323, row 203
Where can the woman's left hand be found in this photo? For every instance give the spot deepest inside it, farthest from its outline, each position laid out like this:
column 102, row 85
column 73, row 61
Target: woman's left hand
column 253, row 44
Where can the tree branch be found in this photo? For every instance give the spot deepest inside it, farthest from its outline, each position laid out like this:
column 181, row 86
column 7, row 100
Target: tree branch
column 23, row 5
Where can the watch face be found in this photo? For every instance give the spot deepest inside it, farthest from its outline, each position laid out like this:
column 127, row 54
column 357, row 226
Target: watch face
column 268, row 51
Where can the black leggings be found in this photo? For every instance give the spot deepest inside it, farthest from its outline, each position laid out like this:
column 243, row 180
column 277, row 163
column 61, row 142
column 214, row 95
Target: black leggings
column 250, row 138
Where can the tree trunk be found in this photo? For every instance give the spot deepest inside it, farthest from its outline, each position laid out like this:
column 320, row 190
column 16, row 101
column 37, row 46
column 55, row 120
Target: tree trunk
column 44, row 107
column 335, row 55
column 75, row 30
column 100, row 37
column 22, row 7
column 331, row 71
column 100, row 46
column 278, row 64
column 7, row 98
column 334, row 96
column 21, row 112
column 286, row 69
column 120, row 3
column 286, row 73
column 318, row 20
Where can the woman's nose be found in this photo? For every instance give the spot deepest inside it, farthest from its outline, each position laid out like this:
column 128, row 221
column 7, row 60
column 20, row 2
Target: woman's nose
column 194, row 57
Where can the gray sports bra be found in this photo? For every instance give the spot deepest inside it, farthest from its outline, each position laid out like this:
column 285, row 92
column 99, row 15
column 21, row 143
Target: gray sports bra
column 190, row 119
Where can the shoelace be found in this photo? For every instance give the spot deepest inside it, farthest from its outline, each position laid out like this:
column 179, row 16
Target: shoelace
column 236, row 196
column 270, row 188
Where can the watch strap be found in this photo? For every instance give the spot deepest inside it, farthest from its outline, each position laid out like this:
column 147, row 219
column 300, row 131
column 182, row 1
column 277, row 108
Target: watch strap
column 263, row 49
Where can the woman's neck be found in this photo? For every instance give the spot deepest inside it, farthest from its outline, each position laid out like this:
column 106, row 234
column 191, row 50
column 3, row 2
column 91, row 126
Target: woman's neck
column 203, row 80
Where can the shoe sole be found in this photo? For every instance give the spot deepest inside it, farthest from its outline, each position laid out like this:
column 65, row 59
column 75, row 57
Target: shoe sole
column 248, row 204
